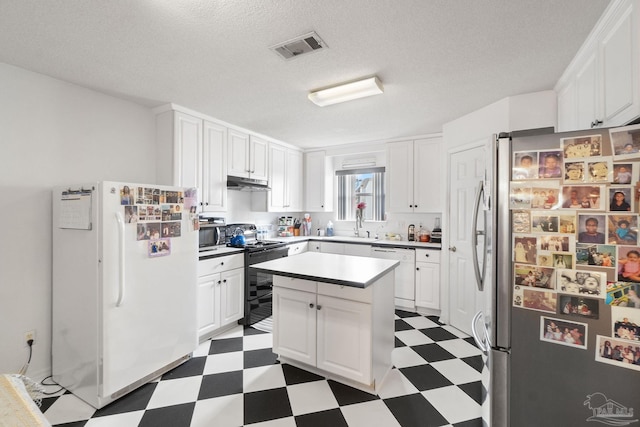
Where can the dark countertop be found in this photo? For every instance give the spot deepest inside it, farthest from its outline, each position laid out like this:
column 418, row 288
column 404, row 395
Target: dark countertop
column 362, row 241
column 345, row 270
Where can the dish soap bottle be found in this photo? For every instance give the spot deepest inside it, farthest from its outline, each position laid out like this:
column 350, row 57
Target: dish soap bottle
column 329, row 228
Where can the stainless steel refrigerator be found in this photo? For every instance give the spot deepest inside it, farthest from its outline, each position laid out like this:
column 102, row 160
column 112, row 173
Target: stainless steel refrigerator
column 556, row 239
column 124, row 286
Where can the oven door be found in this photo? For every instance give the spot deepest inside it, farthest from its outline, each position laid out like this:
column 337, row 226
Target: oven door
column 259, row 285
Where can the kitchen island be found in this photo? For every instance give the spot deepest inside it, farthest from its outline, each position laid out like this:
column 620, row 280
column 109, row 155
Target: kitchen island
column 334, row 315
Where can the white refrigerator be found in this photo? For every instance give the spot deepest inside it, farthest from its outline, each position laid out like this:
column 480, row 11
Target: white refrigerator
column 124, row 286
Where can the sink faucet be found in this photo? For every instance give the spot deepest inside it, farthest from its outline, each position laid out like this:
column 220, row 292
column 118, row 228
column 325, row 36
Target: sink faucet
column 368, row 234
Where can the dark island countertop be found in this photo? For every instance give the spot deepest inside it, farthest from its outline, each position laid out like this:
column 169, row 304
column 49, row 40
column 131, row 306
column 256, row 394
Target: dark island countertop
column 345, row 270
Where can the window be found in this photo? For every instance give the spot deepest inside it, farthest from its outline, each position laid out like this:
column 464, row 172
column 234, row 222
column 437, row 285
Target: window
column 361, row 185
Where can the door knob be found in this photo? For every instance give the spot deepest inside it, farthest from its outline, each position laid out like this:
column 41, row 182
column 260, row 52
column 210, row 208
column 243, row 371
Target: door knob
column 452, row 248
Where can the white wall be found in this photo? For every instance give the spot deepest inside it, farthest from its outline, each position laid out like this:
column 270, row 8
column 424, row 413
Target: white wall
column 53, row 133
column 526, row 111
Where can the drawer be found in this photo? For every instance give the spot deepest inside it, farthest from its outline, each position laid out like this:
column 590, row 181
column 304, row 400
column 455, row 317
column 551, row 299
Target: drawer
column 426, row 255
column 346, row 292
column 297, row 248
column 293, row 283
column 220, row 264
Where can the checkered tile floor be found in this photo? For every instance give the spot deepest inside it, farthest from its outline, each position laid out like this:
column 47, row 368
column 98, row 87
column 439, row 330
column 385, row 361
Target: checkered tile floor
column 235, row 380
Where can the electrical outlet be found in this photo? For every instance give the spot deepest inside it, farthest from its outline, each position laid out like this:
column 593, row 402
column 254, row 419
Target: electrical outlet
column 29, row 335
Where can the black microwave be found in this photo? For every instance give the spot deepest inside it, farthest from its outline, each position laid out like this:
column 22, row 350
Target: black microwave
column 212, row 232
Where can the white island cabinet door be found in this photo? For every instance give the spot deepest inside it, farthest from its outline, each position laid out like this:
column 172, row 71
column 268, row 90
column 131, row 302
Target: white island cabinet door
column 294, row 333
column 344, row 338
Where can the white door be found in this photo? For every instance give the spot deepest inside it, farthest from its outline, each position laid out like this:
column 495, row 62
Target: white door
column 465, row 172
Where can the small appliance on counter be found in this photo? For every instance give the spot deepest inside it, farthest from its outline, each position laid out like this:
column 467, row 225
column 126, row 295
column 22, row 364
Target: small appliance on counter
column 212, row 232
column 411, row 233
column 436, row 234
column 423, row 234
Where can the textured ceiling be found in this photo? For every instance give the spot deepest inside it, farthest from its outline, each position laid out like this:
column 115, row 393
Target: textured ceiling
column 437, row 59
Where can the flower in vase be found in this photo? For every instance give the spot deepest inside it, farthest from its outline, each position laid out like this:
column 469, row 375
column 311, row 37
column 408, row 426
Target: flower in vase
column 359, row 208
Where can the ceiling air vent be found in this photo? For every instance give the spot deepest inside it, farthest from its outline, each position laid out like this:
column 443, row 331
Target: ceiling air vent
column 307, row 43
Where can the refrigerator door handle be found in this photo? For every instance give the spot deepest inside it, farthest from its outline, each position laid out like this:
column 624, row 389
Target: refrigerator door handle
column 483, row 342
column 121, row 259
column 480, row 275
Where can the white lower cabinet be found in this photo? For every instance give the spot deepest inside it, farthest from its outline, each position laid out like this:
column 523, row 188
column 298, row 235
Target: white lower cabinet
column 332, row 248
column 343, row 248
column 294, row 334
column 331, row 327
column 428, row 278
column 220, row 293
column 344, row 338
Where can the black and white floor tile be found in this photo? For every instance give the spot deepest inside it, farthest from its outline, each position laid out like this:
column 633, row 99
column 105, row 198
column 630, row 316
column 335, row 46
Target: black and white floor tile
column 235, row 380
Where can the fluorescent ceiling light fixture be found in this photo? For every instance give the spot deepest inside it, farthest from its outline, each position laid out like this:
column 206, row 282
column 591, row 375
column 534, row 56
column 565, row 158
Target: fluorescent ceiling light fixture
column 347, row 92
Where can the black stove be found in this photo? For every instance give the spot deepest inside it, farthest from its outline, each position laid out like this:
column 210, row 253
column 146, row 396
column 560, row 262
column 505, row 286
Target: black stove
column 259, row 245
column 258, row 288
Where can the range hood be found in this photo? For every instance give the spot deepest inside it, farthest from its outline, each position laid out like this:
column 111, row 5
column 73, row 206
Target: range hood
column 246, row 184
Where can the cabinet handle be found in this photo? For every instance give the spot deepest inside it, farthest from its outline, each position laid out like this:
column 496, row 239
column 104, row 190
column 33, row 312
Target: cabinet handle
column 219, row 282
column 417, row 268
column 596, row 123
column 322, row 206
column 415, row 206
column 224, row 281
column 200, row 203
column 319, row 307
column 410, row 206
column 427, row 255
column 207, row 203
column 311, row 305
column 222, row 263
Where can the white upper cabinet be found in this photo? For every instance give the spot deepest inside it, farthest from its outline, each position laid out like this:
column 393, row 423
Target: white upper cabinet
column 293, row 195
column 179, row 138
column 214, row 171
column 285, row 178
column 238, row 146
column 318, row 182
column 247, row 155
column 399, row 192
column 600, row 87
column 414, row 176
column 192, row 153
column 258, row 158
